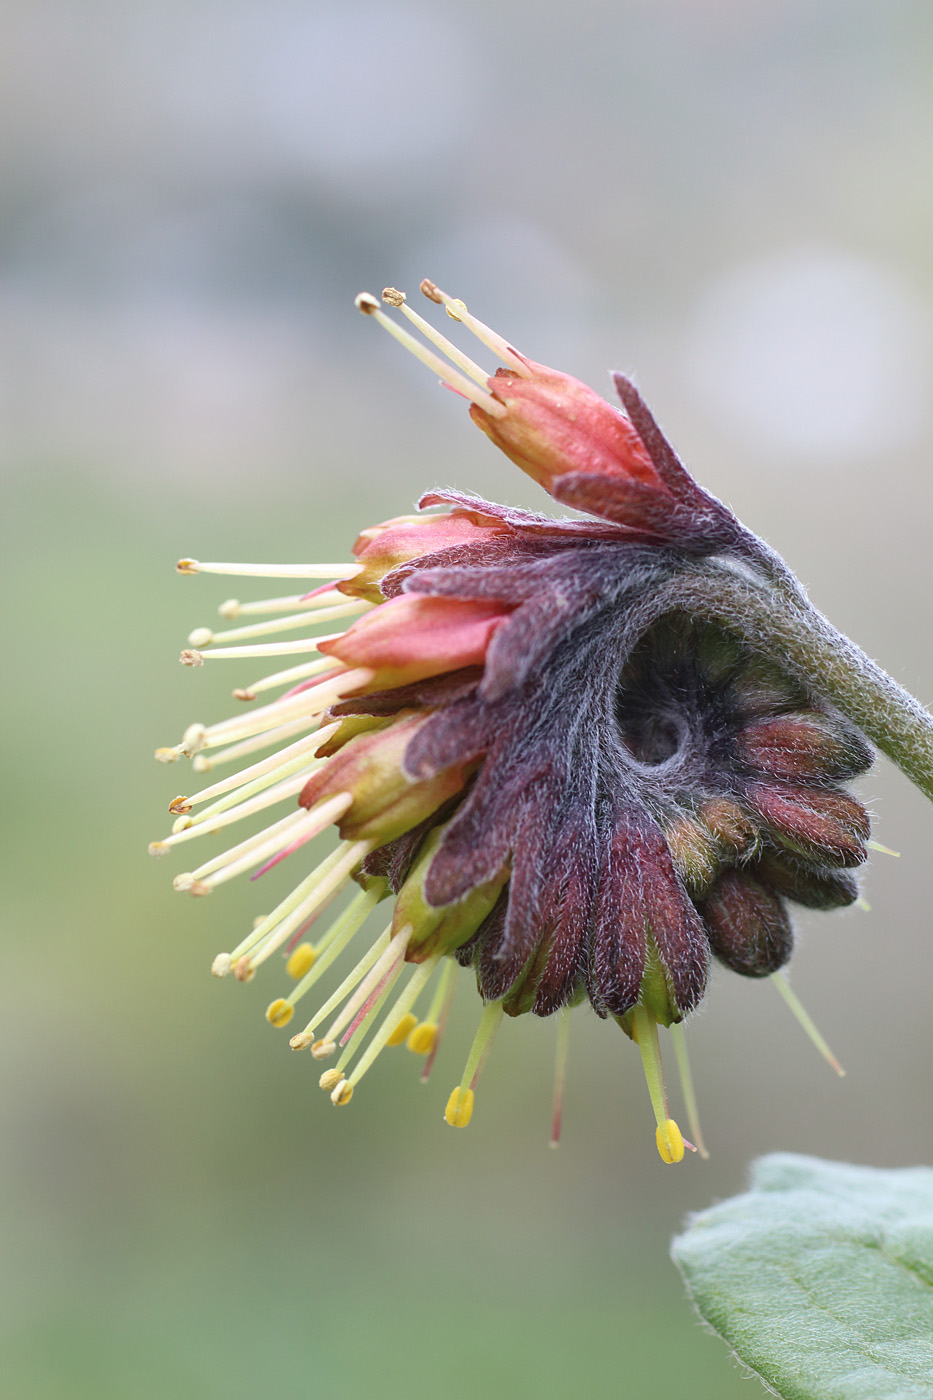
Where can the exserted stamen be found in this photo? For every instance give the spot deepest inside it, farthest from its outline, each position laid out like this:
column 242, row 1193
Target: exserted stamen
column 310, row 704
column 330, row 946
column 686, row 1086
column 232, row 608
column 278, row 832
column 343, row 801
column 796, row 1006
column 560, row 1074
column 397, row 299
column 255, row 797
column 353, row 977
column 179, row 806
column 299, row 647
column 426, row 1038
column 203, row 637
column 459, row 1109
column 337, row 571
column 295, row 907
column 331, row 875
column 388, row 964
column 290, row 788
column 369, row 306
column 399, row 1009
column 457, row 310
column 204, row 763
column 290, row 676
column 311, row 825
column 668, row 1136
column 883, row 850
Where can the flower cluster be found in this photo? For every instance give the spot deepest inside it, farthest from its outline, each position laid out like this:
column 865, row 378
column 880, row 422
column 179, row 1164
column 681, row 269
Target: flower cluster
column 575, row 754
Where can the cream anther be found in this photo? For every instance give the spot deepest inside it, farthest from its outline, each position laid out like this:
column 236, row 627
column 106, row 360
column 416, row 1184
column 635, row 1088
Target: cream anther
column 221, row 965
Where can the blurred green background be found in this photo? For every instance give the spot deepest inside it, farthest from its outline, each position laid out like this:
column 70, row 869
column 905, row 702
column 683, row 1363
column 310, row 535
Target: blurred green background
column 731, row 201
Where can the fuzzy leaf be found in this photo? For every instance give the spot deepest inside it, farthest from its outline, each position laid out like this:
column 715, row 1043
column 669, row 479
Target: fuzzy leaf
column 820, row 1278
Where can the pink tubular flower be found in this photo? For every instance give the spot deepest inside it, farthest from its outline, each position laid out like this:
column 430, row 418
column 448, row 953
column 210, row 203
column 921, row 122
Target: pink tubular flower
column 582, row 757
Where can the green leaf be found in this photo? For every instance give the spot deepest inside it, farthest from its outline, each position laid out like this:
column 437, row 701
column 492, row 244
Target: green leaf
column 820, row 1278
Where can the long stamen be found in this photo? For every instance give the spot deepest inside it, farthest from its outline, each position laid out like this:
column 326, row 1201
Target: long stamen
column 288, row 677
column 295, row 907
column 668, row 1136
column 192, row 657
column 230, row 809
column 372, row 955
column 560, row 1074
column 796, row 1006
column 331, row 945
column 400, row 1007
column 202, row 763
column 686, row 1086
column 453, row 352
column 310, row 703
column 313, row 823
column 278, row 831
column 390, row 962
column 457, row 310
column 453, row 378
column 205, row 636
column 459, row 1108
column 232, row 608
column 179, row 806
column 338, row 571
column 348, row 856
column 426, row 1038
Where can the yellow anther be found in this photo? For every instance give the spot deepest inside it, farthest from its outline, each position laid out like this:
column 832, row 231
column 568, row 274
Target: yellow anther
column 243, row 969
column 670, row 1142
column 341, row 1094
column 459, row 1108
column 302, row 1040
column 301, row 961
column 179, row 806
column 330, row 1079
column 279, row 1013
column 403, row 1030
column 323, row 1049
column 423, row 1038
column 167, row 755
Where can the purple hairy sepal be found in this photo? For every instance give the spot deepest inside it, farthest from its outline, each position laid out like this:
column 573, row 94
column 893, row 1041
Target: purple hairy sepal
column 747, row 924
column 804, row 747
column 446, row 927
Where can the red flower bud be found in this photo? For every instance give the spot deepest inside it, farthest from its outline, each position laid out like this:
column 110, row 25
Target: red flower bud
column 557, row 425
column 411, row 637
column 383, row 547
